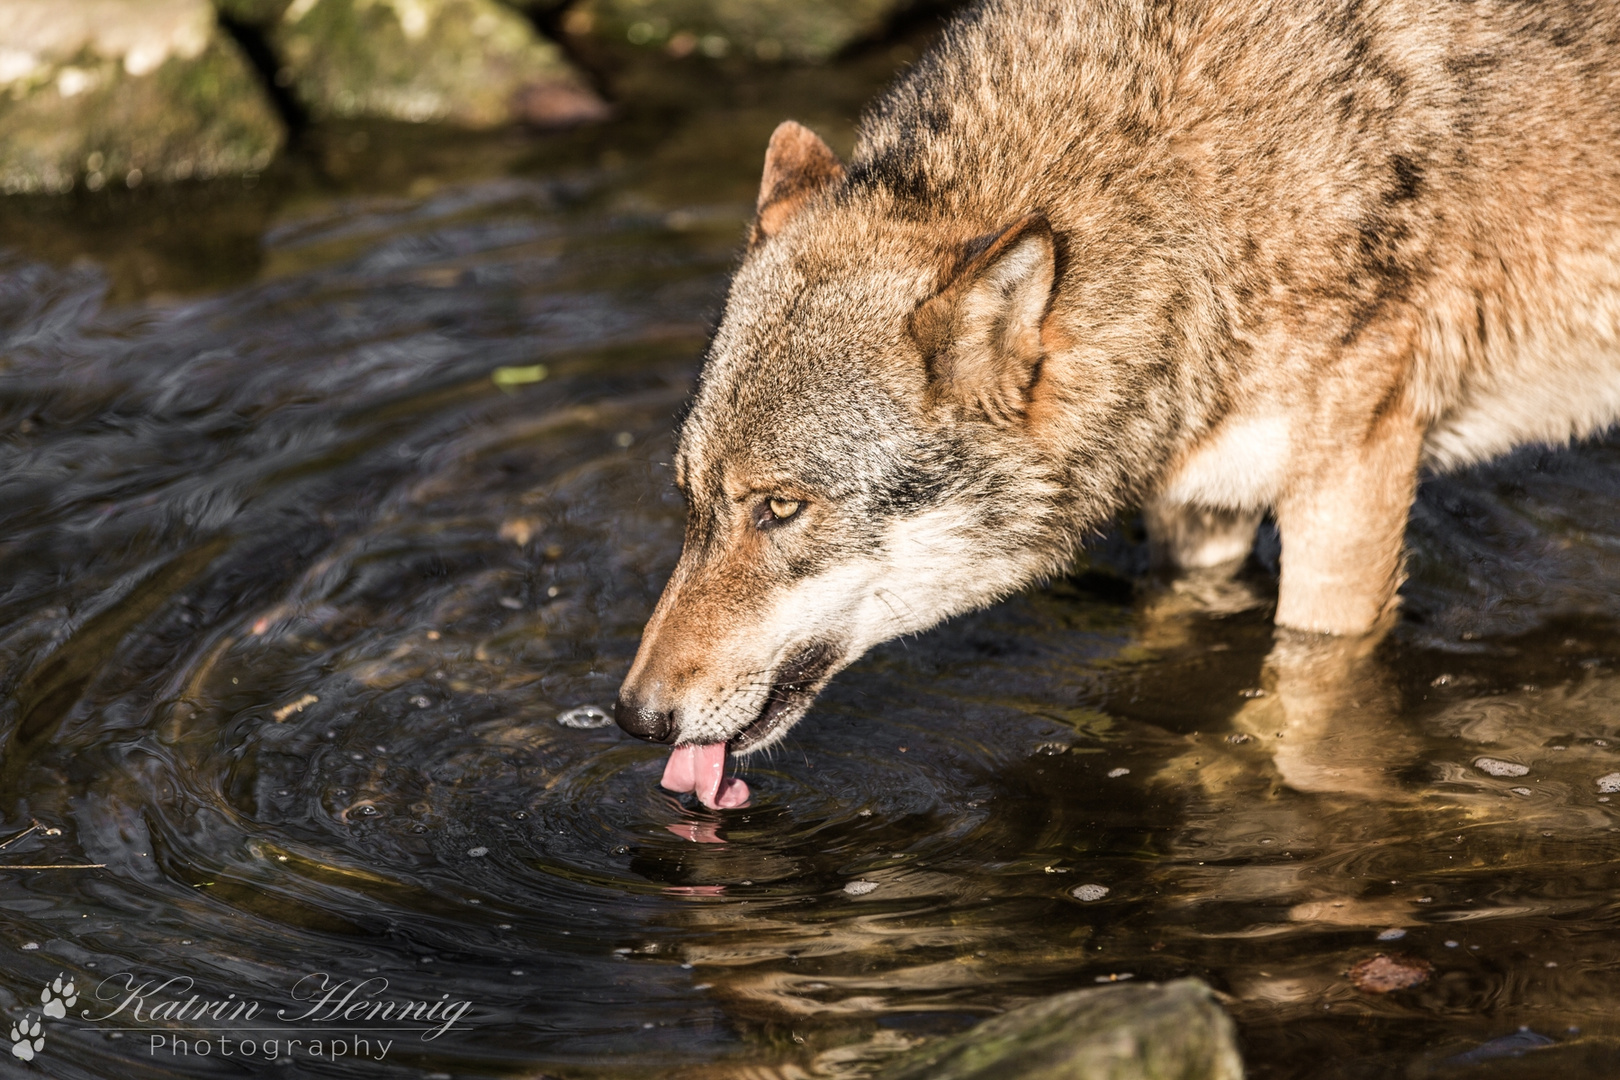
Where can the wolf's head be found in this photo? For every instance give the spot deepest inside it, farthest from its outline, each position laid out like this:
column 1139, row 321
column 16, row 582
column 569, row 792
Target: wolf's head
column 863, row 456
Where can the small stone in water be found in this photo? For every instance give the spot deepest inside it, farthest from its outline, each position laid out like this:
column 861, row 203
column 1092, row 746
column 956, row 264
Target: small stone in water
column 1113, row 773
column 1089, row 893
column 584, row 718
column 478, row 852
column 1609, row 783
column 1520, row 790
column 1383, row 974
column 1500, row 768
column 1394, row 933
column 859, row 888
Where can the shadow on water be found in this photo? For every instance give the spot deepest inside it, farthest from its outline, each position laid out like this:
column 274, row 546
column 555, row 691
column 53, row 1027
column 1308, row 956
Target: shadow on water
column 295, row 594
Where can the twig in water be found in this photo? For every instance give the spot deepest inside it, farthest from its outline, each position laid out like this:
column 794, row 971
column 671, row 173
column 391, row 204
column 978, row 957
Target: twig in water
column 32, row 828
column 44, row 866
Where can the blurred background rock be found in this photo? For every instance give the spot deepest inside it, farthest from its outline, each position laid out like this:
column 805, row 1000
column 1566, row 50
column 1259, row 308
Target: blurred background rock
column 125, row 92
column 125, row 89
column 163, row 141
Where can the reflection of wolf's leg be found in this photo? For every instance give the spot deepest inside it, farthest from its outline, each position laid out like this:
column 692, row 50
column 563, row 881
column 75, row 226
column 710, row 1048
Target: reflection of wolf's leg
column 1331, row 716
column 1183, row 537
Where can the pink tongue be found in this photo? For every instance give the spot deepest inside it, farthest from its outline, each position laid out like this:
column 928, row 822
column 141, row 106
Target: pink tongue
column 702, row 771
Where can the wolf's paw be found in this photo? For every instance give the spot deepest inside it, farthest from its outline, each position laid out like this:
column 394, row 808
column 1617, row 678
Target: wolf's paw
column 26, row 1041
column 57, row 998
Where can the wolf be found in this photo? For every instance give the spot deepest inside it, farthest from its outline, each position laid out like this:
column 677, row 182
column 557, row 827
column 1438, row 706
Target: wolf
column 1210, row 258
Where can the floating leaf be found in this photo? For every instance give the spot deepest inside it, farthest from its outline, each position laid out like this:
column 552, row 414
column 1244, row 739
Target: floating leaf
column 507, row 378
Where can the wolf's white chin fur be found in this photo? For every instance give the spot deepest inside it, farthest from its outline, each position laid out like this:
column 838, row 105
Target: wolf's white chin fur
column 913, row 581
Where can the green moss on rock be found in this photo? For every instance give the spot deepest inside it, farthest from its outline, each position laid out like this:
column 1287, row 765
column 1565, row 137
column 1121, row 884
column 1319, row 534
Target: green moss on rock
column 1147, row 1031
column 805, row 30
column 122, row 91
column 473, row 63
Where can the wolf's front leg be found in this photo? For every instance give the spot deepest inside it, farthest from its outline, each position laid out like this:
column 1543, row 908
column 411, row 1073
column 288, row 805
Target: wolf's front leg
column 1184, row 537
column 1204, row 548
column 1342, row 522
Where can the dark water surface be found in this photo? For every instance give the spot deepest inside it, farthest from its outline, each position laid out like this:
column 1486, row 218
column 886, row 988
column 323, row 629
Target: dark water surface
column 294, row 594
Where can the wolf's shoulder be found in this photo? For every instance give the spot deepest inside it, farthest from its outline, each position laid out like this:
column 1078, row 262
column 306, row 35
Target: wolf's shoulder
column 1018, row 89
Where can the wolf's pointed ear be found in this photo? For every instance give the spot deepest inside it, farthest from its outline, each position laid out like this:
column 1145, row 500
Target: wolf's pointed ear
column 797, row 166
column 981, row 333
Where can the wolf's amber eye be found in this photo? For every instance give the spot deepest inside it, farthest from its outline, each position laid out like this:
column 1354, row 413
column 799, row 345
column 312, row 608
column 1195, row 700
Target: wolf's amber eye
column 782, row 509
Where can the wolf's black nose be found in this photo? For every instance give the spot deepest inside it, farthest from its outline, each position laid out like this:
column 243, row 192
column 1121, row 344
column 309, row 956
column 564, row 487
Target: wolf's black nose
column 644, row 723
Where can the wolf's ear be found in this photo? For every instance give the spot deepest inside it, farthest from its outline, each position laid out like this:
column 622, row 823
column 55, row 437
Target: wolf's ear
column 797, row 166
column 981, row 333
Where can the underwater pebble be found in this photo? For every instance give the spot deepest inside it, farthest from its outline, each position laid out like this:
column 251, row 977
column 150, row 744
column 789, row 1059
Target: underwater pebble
column 1089, row 893
column 30, row 946
column 1610, row 783
column 478, row 852
column 1519, row 790
column 1394, row 933
column 1383, row 974
column 584, row 718
column 859, row 888
column 1239, row 739
column 1500, row 768
column 1112, row 773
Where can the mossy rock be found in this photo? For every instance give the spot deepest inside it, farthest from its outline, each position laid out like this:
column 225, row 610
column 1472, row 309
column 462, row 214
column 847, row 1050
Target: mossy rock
column 472, row 63
column 803, row 30
column 1148, row 1031
column 125, row 91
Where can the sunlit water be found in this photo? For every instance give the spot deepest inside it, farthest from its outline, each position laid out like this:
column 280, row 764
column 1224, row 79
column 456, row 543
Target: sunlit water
column 294, row 594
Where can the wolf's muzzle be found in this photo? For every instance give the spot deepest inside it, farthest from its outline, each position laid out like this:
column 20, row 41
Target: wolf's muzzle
column 646, row 724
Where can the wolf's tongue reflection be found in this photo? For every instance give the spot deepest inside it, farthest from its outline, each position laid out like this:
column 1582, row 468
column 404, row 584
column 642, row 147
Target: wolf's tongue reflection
column 702, row 771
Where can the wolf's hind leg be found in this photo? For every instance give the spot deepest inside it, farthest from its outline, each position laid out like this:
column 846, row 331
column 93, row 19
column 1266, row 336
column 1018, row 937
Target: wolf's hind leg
column 1183, row 537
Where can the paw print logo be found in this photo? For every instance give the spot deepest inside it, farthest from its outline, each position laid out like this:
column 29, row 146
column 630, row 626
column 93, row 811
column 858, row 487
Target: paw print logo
column 26, row 1041
column 57, row 998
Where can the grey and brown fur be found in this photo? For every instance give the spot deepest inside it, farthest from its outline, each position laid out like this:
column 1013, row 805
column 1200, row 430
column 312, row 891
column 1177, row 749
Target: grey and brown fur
column 1215, row 258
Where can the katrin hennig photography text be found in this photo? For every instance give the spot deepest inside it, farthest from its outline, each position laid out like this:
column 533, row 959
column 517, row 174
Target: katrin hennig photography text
column 332, row 1017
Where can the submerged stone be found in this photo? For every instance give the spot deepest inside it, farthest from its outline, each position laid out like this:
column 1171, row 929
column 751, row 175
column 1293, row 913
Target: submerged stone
column 760, row 29
column 472, row 63
column 123, row 92
column 1152, row 1031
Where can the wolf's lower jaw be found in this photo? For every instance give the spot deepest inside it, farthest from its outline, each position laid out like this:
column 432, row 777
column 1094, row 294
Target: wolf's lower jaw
column 774, row 719
column 797, row 683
